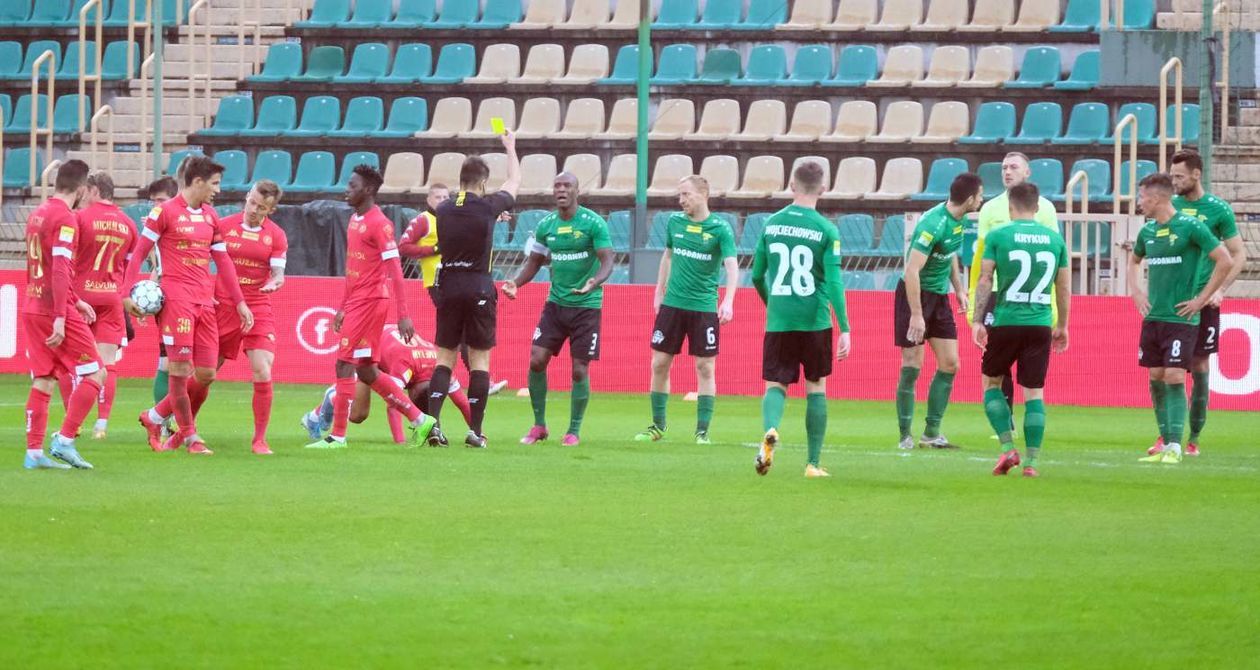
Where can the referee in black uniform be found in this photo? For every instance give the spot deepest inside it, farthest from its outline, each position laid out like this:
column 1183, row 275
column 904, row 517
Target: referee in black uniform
column 465, row 293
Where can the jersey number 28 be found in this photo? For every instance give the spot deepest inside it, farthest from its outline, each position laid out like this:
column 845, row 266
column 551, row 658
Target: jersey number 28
column 799, row 262
column 1018, row 291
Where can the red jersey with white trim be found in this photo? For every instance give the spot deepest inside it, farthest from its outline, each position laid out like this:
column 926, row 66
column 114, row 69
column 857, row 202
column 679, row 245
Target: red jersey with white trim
column 254, row 252
column 106, row 240
column 413, row 363
column 369, row 243
column 51, row 231
column 184, row 237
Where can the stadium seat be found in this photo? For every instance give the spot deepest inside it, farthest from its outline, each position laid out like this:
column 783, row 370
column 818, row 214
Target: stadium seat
column 619, row 230
column 675, row 118
column 902, row 178
column 625, row 68
column 499, row 14
column 763, row 177
column 767, row 66
column 225, row 211
column 353, row 160
column 411, row 62
column 943, row 16
column 625, row 16
column 490, row 108
column 325, row 14
column 1041, row 67
column 721, row 66
column 754, row 226
column 545, row 14
column 808, row 15
column 544, row 63
column 407, row 116
column 857, row 234
column 623, row 123
column 991, row 177
column 821, row 160
column 856, row 121
column 6, row 108
column 369, row 62
column 456, row 14
column 117, row 17
column 892, row 241
column 540, row 117
column 444, row 169
column 587, row 168
column 236, row 113
column 177, row 158
column 451, row 117
column 236, row 168
column 621, row 177
column 538, row 175
column 10, row 59
column 365, row 117
column 33, row 51
column 811, row 119
column 66, row 114
column 995, row 65
column 114, row 61
column 69, row 64
column 763, row 15
column 1035, row 16
column 1043, row 122
column 1144, row 168
column 898, row 15
column 527, row 222
column 902, row 65
column 902, row 121
column 325, row 64
column 853, row 15
column 499, row 63
column 456, row 62
column 404, row 173
column 810, row 67
column 48, row 13
column 34, row 111
column 1147, row 123
column 940, row 175
column 1085, row 73
column 658, row 230
column 138, row 211
column 412, row 14
column 950, row 65
column 1189, row 120
column 1080, row 16
column 722, row 172
column 990, row 16
column 371, row 13
column 588, row 64
column 501, row 237
column 17, row 167
column 14, row 13
column 1088, row 123
column 676, row 15
column 766, row 118
column 1139, row 14
column 321, row 114
column 855, row 176
column 585, row 15
column 947, row 122
column 284, row 62
column 719, row 121
column 677, row 65
column 995, row 122
column 583, row 119
column 859, row 280
column 721, row 15
column 1099, row 173
column 858, row 65
column 276, row 165
column 1047, row 174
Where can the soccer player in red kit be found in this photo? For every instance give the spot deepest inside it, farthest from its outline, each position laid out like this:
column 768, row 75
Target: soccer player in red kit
column 188, row 235
column 56, row 321
column 374, row 279
column 106, row 239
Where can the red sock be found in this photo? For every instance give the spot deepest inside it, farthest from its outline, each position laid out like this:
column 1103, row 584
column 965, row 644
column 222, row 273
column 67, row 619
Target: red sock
column 461, row 401
column 197, row 395
column 181, row 405
column 165, row 408
column 341, row 406
column 395, row 425
column 105, row 403
column 262, row 409
column 36, row 418
column 395, row 397
column 66, row 383
column 81, row 402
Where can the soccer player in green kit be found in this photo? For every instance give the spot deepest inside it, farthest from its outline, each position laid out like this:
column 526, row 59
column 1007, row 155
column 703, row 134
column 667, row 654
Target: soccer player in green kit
column 1174, row 246
column 697, row 245
column 1187, row 176
column 1028, row 259
column 796, row 271
column 921, row 308
column 575, row 241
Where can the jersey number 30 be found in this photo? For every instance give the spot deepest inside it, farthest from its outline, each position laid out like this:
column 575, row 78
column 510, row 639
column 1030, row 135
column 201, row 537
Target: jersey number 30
column 1018, row 291
column 799, row 261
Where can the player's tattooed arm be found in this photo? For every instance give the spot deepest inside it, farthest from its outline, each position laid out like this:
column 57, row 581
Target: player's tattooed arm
column 984, row 287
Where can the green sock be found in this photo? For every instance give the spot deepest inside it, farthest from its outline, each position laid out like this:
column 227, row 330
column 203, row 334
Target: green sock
column 1159, row 400
column 1198, row 405
column 905, row 399
column 938, row 400
column 538, row 396
column 772, row 407
column 1034, row 428
column 815, row 425
column 659, row 402
column 161, row 385
column 578, row 398
column 704, row 412
column 1176, row 404
column 999, row 416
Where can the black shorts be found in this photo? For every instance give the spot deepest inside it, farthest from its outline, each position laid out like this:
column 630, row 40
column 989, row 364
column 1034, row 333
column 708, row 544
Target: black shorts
column 1209, row 332
column 466, row 311
column 673, row 324
column 938, row 316
column 784, row 354
column 1028, row 347
column 1167, row 345
column 578, row 325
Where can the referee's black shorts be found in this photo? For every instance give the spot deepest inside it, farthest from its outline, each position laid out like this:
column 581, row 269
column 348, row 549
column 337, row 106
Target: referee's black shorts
column 467, row 311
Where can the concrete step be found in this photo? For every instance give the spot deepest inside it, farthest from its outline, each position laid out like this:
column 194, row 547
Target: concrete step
column 1249, row 116
column 1243, row 135
column 229, row 71
column 266, row 32
column 219, row 53
column 175, row 139
column 1236, row 6
column 251, row 5
column 1237, row 191
column 179, row 87
column 230, row 16
column 1194, row 21
column 123, row 161
column 171, row 105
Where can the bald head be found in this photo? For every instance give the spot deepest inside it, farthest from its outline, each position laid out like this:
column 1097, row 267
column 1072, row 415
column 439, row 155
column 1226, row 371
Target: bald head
column 564, row 190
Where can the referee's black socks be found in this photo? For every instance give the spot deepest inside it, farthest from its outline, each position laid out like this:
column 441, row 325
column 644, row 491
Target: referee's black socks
column 439, row 384
column 478, row 393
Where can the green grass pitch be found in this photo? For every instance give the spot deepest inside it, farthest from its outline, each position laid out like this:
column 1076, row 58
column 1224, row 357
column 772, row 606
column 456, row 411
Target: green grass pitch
column 617, row 554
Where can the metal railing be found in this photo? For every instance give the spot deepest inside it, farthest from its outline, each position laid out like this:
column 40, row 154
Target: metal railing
column 145, row 67
column 1079, row 245
column 50, row 58
column 103, row 112
column 1104, row 15
column 134, row 24
column 256, row 24
column 1129, row 122
column 99, row 48
column 45, row 178
column 194, row 76
column 1173, row 63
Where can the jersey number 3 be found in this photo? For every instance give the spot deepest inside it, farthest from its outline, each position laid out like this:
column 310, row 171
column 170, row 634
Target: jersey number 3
column 797, row 260
column 1018, row 291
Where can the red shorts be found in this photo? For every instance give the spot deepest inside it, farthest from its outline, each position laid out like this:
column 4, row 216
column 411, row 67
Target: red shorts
column 75, row 355
column 110, row 327
column 190, row 333
column 232, row 341
column 361, row 331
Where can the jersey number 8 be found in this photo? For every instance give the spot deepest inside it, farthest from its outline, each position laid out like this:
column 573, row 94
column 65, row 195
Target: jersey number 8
column 800, row 261
column 1018, row 290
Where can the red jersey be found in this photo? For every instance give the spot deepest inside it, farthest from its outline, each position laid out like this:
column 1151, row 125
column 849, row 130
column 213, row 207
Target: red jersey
column 184, row 237
column 254, row 252
column 413, row 363
column 369, row 246
column 51, row 232
column 106, row 239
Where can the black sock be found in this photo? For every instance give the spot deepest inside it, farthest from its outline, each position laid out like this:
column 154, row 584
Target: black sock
column 478, row 393
column 439, row 384
column 1008, row 390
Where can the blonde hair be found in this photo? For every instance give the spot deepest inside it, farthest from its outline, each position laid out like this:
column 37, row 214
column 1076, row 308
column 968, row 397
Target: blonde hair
column 700, row 183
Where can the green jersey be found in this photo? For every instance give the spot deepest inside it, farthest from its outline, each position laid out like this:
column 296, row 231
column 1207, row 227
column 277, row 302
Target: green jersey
column 697, row 251
column 1028, row 258
column 796, row 271
column 570, row 245
column 993, row 215
column 1218, row 216
column 938, row 236
column 1173, row 252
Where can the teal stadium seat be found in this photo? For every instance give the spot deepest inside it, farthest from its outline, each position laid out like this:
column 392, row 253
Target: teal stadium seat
column 767, row 66
column 276, row 165
column 811, row 66
column 25, row 113
column 236, row 168
column 14, row 12
column 1099, row 172
column 859, row 280
column 1047, row 174
column 316, row 171
column 66, row 113
column 368, row 63
column 456, row 14
column 277, row 115
column 177, row 158
column 656, row 234
column 407, row 116
column 1139, row 14
column 1043, row 122
column 1085, row 73
column 326, row 14
column 411, row 62
column 721, row 66
column 754, row 226
column 620, row 275
column 1144, row 168
column 721, row 15
column 502, row 235
column 6, row 108
column 1189, row 119
column 1147, row 123
column 365, row 116
column 283, row 62
column 72, row 19
column 677, row 65
column 138, row 211
column 320, row 115
column 619, row 230
column 677, row 15
column 625, row 67
column 1041, row 67
column 69, row 66
column 940, row 175
column 764, row 15
column 17, row 167
column 114, row 61
column 891, row 238
column 48, row 13
column 353, row 160
column 991, row 177
column 1087, row 124
column 858, row 65
column 891, row 279
column 857, row 234
column 371, row 13
column 225, row 211
column 10, row 59
column 33, row 52
column 413, row 14
column 1081, row 16
column 236, row 113
column 324, row 64
column 499, row 14
column 455, row 63
column 995, row 122
column 544, row 275
column 526, row 223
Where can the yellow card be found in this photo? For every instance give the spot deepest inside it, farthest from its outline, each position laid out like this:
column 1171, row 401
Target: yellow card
column 496, row 125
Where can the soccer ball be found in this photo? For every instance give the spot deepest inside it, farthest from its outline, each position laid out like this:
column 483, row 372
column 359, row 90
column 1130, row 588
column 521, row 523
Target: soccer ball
column 148, row 296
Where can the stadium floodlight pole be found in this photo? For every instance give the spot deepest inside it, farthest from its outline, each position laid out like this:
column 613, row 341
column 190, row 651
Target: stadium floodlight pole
column 1207, row 81
column 155, row 21
column 638, row 236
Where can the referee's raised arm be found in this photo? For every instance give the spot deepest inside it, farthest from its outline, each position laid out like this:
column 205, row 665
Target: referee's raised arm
column 513, row 183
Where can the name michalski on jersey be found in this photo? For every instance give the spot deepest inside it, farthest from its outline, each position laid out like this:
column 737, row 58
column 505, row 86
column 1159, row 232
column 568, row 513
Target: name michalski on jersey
column 792, row 231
